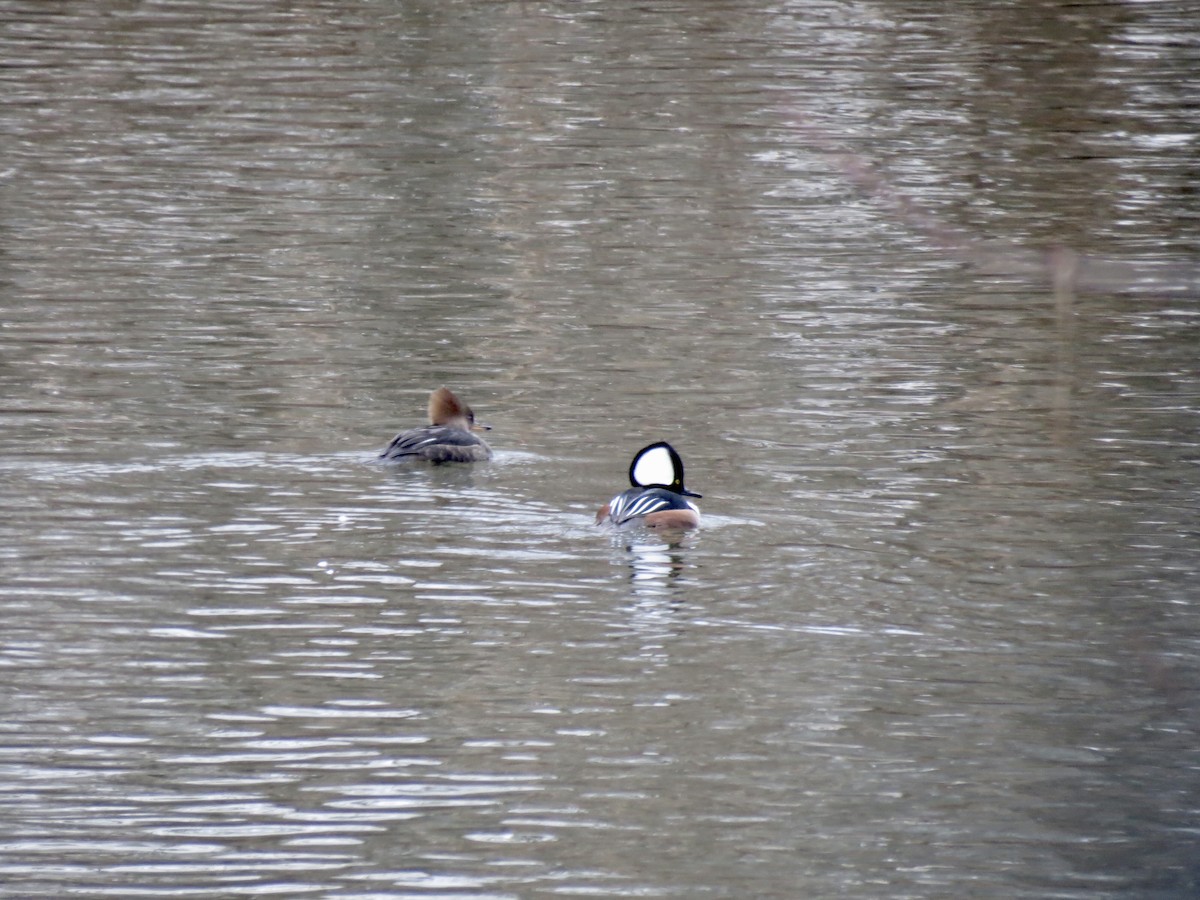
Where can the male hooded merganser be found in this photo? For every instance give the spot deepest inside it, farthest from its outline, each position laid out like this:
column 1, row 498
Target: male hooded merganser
column 447, row 437
column 658, row 497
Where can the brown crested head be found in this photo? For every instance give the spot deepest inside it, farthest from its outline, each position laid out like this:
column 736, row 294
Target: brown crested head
column 446, row 409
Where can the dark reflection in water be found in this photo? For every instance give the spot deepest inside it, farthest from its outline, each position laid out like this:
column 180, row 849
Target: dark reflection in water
column 912, row 289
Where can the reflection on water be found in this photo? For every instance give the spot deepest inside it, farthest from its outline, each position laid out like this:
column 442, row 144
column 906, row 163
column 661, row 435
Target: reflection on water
column 657, row 563
column 936, row 636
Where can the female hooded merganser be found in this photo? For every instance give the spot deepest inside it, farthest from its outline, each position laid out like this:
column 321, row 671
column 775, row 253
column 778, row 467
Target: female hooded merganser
column 658, row 497
column 447, row 437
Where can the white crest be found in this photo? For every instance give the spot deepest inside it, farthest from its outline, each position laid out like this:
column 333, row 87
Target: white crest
column 655, row 466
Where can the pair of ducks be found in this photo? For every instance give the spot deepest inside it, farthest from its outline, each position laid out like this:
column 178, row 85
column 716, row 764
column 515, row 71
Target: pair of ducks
column 657, row 498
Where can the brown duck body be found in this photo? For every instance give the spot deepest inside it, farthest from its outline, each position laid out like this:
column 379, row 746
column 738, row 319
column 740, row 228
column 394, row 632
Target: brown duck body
column 448, row 437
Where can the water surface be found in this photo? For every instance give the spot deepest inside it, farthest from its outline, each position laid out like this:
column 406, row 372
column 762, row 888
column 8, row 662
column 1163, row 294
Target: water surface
column 913, row 291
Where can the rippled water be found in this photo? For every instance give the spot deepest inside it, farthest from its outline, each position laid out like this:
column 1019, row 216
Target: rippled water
column 913, row 290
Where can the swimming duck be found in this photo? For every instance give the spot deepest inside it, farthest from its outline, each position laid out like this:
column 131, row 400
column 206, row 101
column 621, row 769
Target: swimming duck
column 658, row 498
column 447, row 437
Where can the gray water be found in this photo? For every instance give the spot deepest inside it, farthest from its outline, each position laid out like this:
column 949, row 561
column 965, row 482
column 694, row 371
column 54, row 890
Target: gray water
column 912, row 288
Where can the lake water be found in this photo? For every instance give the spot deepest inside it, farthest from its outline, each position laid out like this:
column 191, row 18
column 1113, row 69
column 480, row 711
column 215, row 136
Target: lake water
column 912, row 288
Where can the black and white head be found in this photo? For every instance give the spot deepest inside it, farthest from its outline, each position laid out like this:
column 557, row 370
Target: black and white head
column 658, row 465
